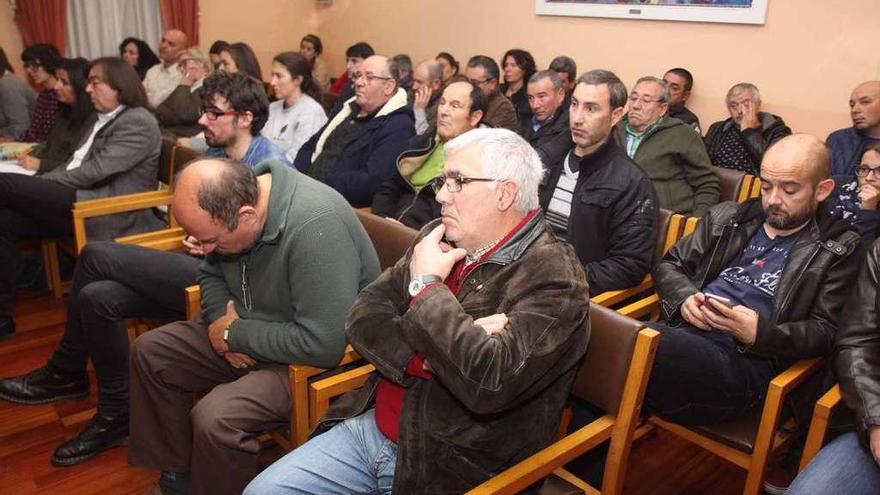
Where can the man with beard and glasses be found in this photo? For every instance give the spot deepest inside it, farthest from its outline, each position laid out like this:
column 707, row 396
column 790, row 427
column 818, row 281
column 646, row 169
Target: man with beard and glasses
column 757, row 287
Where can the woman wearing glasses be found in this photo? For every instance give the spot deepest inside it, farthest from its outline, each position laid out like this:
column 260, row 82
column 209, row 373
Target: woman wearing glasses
column 40, row 61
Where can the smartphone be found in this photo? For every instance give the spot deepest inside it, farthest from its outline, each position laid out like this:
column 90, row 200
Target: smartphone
column 723, row 300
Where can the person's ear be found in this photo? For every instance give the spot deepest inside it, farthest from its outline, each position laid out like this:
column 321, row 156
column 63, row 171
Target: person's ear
column 245, row 119
column 507, row 196
column 617, row 114
column 824, row 189
column 247, row 214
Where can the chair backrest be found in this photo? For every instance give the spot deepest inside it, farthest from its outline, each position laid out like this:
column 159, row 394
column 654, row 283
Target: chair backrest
column 756, row 188
column 662, row 234
column 603, row 373
column 182, row 156
column 166, row 161
column 731, row 182
column 391, row 239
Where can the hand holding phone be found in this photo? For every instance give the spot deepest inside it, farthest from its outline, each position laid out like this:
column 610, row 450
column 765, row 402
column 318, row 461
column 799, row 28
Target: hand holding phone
column 720, row 299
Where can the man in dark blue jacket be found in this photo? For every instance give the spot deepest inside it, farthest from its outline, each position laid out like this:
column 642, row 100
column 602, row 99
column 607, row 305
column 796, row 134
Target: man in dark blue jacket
column 357, row 150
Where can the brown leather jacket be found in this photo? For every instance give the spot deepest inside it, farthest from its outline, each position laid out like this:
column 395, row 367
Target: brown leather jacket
column 494, row 400
column 811, row 293
column 857, row 349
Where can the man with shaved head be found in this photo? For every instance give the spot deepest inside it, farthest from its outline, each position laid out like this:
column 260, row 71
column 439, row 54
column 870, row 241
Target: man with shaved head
column 285, row 257
column 757, row 287
column 355, row 152
column 162, row 78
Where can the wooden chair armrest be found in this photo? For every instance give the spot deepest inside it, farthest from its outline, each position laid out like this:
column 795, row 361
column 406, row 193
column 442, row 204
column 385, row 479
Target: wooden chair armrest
column 121, row 204
column 163, row 240
column 825, row 406
column 647, row 306
column 193, row 301
column 796, row 374
column 321, row 391
column 542, row 464
column 612, row 297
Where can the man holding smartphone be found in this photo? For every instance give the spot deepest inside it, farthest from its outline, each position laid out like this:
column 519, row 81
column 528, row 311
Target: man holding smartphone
column 758, row 286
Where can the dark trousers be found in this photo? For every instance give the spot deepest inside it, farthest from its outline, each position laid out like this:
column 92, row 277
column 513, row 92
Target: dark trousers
column 217, row 439
column 30, row 209
column 113, row 282
column 701, row 378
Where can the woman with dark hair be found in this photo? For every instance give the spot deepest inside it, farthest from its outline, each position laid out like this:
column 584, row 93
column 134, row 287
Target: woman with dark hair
column 76, row 116
column 296, row 115
column 239, row 57
column 118, row 155
column 449, row 65
column 138, row 54
column 217, row 47
column 16, row 102
column 40, row 61
column 518, row 66
column 311, row 48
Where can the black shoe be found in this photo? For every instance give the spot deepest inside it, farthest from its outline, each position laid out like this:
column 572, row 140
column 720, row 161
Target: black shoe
column 7, row 328
column 44, row 385
column 102, row 433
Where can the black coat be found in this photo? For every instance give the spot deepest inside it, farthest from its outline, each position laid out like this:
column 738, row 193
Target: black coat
column 397, row 198
column 613, row 220
column 552, row 140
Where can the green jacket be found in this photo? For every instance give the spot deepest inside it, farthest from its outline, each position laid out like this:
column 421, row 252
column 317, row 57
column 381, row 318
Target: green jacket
column 302, row 275
column 675, row 159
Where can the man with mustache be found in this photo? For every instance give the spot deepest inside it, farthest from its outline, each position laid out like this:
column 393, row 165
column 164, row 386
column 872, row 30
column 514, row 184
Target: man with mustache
column 758, row 286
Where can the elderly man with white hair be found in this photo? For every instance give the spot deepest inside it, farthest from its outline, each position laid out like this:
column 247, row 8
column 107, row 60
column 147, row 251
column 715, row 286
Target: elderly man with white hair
column 475, row 334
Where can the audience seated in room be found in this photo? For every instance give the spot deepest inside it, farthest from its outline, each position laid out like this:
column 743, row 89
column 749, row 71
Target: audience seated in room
column 240, row 57
column 668, row 150
column 425, row 94
column 119, row 156
column 16, row 102
column 344, row 85
column 405, row 66
column 596, row 197
column 297, row 114
column 407, row 196
column 566, row 67
column 311, row 48
column 76, row 118
column 740, row 141
column 783, row 268
column 40, row 62
column 214, row 52
column 492, row 363
column 449, row 65
column 518, row 66
column 356, row 151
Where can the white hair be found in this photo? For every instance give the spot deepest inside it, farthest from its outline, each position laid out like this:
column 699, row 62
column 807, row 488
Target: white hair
column 504, row 156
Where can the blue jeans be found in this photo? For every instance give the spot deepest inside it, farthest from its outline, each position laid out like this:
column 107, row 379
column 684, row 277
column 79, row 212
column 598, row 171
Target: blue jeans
column 353, row 457
column 701, row 378
column 843, row 466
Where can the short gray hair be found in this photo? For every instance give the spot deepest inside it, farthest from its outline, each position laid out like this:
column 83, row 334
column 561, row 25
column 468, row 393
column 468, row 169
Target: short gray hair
column 554, row 77
column 743, row 86
column 435, row 70
column 664, row 86
column 195, row 54
column 504, row 156
column 616, row 88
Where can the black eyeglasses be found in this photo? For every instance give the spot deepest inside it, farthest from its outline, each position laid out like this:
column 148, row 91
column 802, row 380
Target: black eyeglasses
column 863, row 171
column 454, row 182
column 215, row 113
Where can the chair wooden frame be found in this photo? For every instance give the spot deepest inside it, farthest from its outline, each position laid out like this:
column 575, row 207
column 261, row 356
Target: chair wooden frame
column 825, row 407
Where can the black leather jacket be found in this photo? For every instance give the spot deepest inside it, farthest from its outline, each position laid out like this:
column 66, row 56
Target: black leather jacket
column 552, row 140
column 811, row 293
column 857, row 349
column 493, row 400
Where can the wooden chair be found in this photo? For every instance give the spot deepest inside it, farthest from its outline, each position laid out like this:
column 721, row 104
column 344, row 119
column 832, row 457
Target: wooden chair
column 825, row 407
column 391, row 240
column 613, row 376
column 756, row 188
column 83, row 210
column 735, row 184
column 671, row 224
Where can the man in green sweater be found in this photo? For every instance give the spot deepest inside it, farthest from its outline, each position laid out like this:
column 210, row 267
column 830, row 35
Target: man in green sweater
column 285, row 258
column 668, row 150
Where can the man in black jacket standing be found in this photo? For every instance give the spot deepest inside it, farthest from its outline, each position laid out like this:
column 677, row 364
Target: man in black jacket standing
column 755, row 288
column 596, row 197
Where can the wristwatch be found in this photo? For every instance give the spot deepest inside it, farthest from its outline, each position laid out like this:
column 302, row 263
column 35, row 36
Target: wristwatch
column 416, row 284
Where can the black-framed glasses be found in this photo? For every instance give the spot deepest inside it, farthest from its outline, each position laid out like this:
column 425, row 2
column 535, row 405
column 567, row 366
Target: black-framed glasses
column 215, row 113
column 454, row 182
column 863, row 171
column 646, row 100
column 368, row 77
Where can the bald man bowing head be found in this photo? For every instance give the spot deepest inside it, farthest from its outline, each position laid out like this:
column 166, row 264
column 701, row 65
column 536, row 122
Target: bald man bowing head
column 285, row 258
column 757, row 287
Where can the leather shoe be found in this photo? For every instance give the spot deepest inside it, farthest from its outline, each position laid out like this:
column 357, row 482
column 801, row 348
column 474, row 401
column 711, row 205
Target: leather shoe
column 102, row 433
column 44, row 385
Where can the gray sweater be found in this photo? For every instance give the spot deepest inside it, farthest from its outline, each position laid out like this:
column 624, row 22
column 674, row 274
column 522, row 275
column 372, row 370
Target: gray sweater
column 302, row 275
column 16, row 105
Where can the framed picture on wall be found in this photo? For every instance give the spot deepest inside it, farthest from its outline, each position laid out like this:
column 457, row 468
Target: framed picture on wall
column 730, row 11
